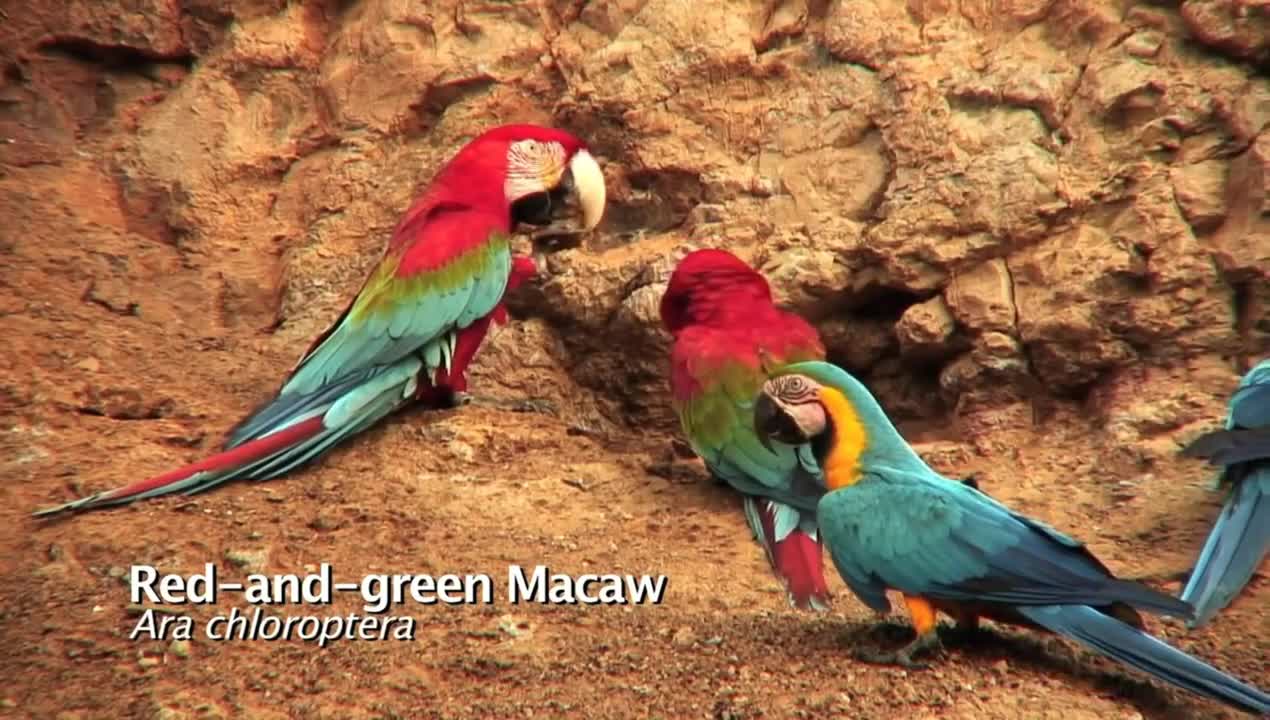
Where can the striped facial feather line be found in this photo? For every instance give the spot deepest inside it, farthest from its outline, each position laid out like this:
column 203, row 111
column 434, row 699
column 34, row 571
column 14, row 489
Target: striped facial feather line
column 532, row 167
column 791, row 389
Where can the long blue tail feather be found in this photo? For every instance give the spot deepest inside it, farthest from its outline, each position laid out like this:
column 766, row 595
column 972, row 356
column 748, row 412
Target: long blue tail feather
column 1110, row 637
column 1235, row 547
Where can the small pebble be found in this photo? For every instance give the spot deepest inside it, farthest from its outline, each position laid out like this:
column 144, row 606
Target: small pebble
column 326, row 520
column 246, row 558
column 684, row 637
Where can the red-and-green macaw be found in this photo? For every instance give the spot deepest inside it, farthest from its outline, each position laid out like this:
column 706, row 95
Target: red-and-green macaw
column 421, row 315
column 1241, row 536
column 892, row 523
column 726, row 330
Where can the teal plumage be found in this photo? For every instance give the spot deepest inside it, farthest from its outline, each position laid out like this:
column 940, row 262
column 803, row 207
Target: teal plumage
column 416, row 323
column 890, row 522
column 1240, row 538
column 727, row 332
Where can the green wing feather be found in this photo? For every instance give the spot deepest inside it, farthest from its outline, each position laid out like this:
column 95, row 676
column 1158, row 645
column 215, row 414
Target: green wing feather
column 716, row 375
column 394, row 316
column 718, row 420
column 399, row 314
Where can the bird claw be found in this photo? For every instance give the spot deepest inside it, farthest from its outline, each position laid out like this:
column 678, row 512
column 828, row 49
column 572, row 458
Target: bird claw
column 904, row 656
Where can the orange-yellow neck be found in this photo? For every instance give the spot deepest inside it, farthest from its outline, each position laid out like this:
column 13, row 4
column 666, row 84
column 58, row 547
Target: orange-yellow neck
column 842, row 466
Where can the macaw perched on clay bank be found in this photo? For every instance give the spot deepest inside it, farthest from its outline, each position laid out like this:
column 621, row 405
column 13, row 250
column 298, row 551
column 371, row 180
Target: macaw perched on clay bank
column 1241, row 536
column 421, row 315
column 892, row 523
column 728, row 334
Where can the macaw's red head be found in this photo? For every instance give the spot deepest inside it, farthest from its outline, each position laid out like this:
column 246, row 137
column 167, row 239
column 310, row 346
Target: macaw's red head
column 712, row 286
column 534, row 176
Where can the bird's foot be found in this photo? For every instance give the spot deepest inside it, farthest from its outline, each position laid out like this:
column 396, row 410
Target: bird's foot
column 904, row 656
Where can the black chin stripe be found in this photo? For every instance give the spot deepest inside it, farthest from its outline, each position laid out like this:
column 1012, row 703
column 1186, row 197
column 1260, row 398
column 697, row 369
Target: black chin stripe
column 822, row 444
column 782, row 427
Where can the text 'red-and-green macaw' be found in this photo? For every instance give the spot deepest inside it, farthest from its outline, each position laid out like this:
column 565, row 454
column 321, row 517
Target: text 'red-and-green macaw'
column 892, row 523
column 726, row 330
column 421, row 315
column 1241, row 536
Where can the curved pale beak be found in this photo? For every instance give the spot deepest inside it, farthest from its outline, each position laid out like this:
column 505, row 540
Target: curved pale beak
column 583, row 203
column 588, row 185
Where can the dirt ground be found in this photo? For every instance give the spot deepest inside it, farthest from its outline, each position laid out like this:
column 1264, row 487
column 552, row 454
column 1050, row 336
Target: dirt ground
column 173, row 233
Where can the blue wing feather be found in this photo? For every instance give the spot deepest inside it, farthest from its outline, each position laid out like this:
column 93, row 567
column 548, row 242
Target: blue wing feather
column 1234, row 549
column 928, row 536
column 1240, row 537
column 1250, row 404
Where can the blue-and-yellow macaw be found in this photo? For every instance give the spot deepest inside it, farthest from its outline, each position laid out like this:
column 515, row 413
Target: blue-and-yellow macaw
column 892, row 523
column 1241, row 536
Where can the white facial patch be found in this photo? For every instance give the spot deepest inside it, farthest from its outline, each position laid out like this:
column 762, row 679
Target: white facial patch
column 532, row 167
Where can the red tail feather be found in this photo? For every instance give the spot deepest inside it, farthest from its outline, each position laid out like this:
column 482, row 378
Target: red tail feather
column 798, row 562
column 227, row 460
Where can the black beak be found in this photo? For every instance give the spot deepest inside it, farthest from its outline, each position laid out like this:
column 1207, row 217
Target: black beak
column 563, row 227
column 771, row 422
